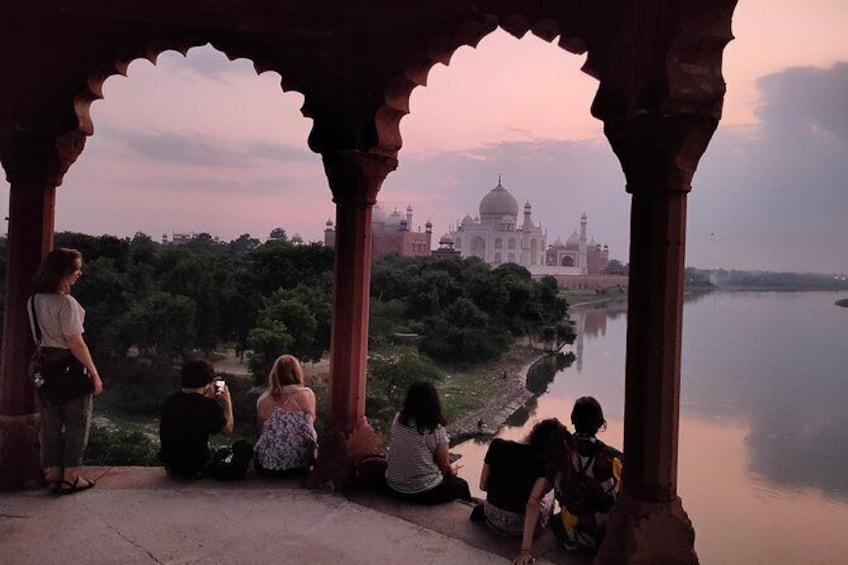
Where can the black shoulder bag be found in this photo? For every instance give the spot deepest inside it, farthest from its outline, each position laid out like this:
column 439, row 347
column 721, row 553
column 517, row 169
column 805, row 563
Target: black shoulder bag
column 58, row 376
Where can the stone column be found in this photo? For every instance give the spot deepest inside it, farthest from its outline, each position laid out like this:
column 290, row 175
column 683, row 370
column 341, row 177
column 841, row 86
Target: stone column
column 355, row 178
column 659, row 156
column 34, row 166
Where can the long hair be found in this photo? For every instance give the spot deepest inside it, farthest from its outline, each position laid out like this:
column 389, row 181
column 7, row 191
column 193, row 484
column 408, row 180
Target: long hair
column 422, row 407
column 55, row 268
column 553, row 440
column 286, row 370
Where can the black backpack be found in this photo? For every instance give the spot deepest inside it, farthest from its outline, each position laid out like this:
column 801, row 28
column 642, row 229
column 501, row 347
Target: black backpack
column 580, row 492
column 231, row 463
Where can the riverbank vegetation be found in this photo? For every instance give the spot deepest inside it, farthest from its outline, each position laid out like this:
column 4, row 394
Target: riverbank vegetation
column 149, row 306
column 767, row 280
column 843, row 302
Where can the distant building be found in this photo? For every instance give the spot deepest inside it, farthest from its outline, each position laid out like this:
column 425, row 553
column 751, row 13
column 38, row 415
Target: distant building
column 177, row 238
column 495, row 235
column 446, row 250
column 391, row 234
column 590, row 257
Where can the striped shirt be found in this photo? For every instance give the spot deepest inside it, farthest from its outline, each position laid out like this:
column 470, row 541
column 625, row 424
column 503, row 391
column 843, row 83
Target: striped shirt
column 411, row 466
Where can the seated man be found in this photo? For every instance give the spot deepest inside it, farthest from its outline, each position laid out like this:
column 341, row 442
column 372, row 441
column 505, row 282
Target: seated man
column 189, row 417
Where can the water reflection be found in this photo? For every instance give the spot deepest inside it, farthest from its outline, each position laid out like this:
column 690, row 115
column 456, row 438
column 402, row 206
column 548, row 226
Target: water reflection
column 542, row 373
column 764, row 426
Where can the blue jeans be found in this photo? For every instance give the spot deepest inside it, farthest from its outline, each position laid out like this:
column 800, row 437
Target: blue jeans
column 64, row 432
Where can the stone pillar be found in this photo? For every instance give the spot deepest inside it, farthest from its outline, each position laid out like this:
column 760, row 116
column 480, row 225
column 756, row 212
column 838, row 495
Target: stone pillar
column 34, row 166
column 659, row 156
column 355, row 178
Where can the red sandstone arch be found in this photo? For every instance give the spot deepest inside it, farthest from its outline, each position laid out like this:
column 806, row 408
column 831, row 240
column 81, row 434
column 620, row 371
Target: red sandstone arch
column 660, row 92
column 517, row 20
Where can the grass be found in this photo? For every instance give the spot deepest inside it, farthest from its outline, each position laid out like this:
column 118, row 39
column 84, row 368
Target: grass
column 466, row 389
column 575, row 297
column 461, row 393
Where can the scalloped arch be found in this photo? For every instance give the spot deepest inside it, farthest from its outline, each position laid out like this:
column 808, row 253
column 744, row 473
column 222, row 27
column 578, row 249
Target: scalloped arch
column 150, row 51
column 441, row 49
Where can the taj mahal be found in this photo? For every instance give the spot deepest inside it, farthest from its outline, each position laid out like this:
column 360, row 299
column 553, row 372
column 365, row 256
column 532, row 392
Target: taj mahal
column 497, row 237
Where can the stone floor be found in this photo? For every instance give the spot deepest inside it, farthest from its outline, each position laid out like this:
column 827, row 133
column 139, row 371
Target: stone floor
column 139, row 515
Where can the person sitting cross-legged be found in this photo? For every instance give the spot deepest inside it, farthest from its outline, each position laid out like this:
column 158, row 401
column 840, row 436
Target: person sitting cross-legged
column 285, row 414
column 419, row 468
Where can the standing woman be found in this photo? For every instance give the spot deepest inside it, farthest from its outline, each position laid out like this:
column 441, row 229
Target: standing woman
column 59, row 320
column 285, row 415
column 419, row 468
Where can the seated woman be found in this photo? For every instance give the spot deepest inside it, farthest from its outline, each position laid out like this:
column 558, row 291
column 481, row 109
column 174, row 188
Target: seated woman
column 285, row 414
column 419, row 468
column 586, row 487
column 510, row 471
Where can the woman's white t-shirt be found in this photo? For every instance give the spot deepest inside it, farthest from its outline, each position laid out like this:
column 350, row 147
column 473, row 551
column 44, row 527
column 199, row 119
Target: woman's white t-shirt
column 59, row 315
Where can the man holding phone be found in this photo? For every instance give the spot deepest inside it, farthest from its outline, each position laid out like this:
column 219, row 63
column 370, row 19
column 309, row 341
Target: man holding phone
column 200, row 408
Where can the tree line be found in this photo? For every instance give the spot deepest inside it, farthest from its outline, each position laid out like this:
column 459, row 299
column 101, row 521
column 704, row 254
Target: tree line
column 150, row 305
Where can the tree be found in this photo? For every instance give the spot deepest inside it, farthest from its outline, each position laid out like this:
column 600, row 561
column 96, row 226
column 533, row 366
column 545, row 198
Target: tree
column 243, row 244
column 615, row 267
column 278, row 234
column 389, row 376
column 267, row 341
column 160, row 325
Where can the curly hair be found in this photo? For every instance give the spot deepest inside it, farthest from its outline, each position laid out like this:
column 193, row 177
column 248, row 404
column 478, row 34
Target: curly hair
column 553, row 440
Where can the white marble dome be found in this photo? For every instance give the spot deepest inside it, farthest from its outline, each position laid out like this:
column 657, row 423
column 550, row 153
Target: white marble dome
column 378, row 216
column 498, row 203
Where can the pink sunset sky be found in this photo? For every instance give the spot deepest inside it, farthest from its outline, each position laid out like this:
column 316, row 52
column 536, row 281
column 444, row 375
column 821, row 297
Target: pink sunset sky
column 202, row 144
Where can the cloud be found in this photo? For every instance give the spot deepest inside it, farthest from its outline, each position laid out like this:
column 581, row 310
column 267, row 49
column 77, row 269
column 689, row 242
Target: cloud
column 195, row 150
column 774, row 197
column 806, row 103
column 769, row 197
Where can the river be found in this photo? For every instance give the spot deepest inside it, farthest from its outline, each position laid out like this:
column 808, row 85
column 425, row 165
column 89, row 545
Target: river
column 763, row 466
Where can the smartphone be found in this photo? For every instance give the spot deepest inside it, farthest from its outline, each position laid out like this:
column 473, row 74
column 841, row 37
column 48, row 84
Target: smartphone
column 219, row 386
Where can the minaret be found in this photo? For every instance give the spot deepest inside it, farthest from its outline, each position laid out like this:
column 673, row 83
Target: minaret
column 527, row 221
column 581, row 260
column 409, row 216
column 329, row 234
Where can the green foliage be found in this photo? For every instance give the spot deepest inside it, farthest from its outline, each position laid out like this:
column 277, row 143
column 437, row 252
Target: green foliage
column 767, row 280
column 386, row 318
column 109, row 447
column 465, row 311
column 267, row 341
column 390, row 372
column 161, row 325
column 615, row 267
column 278, row 234
column 294, row 321
column 141, row 386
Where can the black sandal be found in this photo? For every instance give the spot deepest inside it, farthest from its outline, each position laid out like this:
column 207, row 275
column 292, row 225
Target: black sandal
column 75, row 486
column 54, row 487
